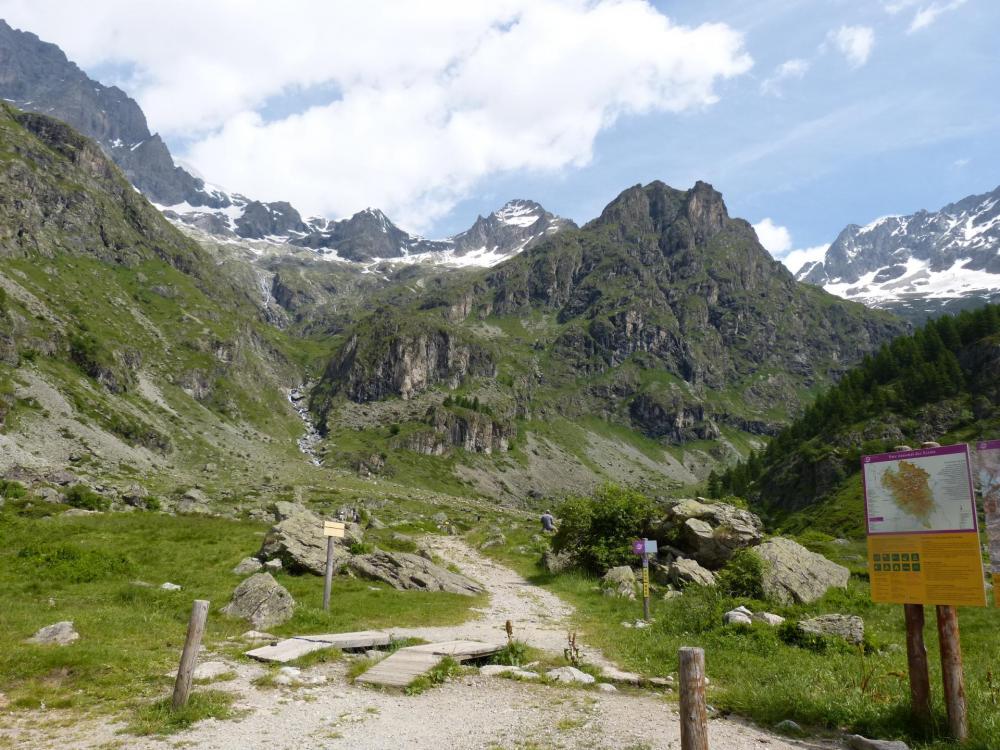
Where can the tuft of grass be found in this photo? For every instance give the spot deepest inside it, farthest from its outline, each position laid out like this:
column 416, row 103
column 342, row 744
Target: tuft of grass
column 160, row 719
column 358, row 667
column 443, row 671
column 324, row 656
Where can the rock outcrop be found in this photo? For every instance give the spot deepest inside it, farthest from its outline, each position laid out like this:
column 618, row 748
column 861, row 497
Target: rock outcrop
column 297, row 540
column 59, row 634
column 467, row 429
column 794, row 575
column 711, row 533
column 405, row 570
column 620, row 582
column 684, row 572
column 850, row 628
column 262, row 601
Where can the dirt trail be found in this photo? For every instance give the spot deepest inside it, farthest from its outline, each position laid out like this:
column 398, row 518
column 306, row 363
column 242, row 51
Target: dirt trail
column 469, row 713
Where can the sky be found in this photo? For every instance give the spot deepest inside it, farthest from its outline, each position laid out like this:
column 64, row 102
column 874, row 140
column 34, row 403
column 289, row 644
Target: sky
column 807, row 115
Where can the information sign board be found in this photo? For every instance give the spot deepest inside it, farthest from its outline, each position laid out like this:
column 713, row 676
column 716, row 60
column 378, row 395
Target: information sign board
column 923, row 535
column 988, row 473
column 335, row 529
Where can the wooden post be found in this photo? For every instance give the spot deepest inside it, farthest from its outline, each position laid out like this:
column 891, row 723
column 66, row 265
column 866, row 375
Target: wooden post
column 951, row 672
column 916, row 659
column 189, row 657
column 694, row 718
column 328, row 580
column 645, row 582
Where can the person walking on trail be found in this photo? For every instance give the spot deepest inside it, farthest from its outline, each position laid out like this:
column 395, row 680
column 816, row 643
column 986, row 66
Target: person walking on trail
column 548, row 522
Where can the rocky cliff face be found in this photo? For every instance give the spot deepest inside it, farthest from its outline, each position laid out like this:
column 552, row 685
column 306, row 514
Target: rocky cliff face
column 460, row 428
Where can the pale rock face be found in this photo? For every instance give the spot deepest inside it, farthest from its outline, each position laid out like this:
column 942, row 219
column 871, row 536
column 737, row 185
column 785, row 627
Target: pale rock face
column 619, row 582
column 247, row 565
column 262, row 601
column 849, row 627
column 404, row 570
column 298, row 542
column 570, row 674
column 683, row 572
column 794, row 575
column 59, row 634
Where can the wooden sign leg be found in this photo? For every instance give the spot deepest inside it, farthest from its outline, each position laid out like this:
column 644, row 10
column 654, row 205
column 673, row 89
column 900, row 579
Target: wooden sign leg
column 328, row 580
column 951, row 672
column 694, row 716
column 916, row 657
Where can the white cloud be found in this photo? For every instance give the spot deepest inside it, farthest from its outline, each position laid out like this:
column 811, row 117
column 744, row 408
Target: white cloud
column 929, row 14
column 798, row 258
column 434, row 97
column 926, row 13
column 793, row 69
column 854, row 43
column 961, row 162
column 775, row 238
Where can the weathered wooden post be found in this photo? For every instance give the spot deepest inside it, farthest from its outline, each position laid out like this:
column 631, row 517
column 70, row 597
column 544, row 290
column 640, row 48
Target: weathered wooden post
column 916, row 658
column 189, row 657
column 328, row 578
column 331, row 530
column 694, row 717
column 951, row 672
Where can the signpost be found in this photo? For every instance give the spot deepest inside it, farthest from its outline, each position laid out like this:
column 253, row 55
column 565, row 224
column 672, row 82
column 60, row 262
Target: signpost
column 988, row 473
column 645, row 548
column 331, row 530
column 923, row 548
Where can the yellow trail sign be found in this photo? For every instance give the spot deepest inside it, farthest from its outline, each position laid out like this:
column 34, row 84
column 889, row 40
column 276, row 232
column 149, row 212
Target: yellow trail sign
column 334, row 528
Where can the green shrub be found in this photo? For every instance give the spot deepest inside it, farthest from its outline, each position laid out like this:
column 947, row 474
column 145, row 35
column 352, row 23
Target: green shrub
column 514, row 654
column 81, row 496
column 361, row 548
column 12, row 490
column 743, row 576
column 599, row 530
column 71, row 564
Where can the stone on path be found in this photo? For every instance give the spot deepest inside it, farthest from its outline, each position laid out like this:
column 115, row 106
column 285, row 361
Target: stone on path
column 849, row 627
column 59, row 634
column 405, row 570
column 606, row 687
column 262, row 601
column 794, row 575
column 210, row 670
column 570, row 674
column 292, row 677
column 857, row 742
column 494, row 670
column 247, row 565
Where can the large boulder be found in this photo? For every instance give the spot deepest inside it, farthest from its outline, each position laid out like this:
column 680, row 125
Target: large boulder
column 794, row 575
column 297, row 540
column 619, row 581
column 262, row 601
column 193, row 502
column 717, row 534
column 683, row 572
column 405, row 570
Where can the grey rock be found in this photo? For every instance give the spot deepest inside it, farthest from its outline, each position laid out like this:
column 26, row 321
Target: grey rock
column 606, row 687
column 790, row 728
column 557, row 562
column 620, row 582
column 768, row 618
column 717, row 532
column 297, row 540
column 570, row 674
column 405, row 570
column 63, row 478
column 857, row 742
column 849, row 627
column 79, row 513
column 683, row 572
column 48, row 495
column 247, row 565
column 168, row 586
column 257, row 635
column 135, row 495
column 59, row 634
column 274, row 565
column 496, row 540
column 262, row 601
column 194, row 502
column 738, row 616
column 211, row 670
column 794, row 575
column 494, row 670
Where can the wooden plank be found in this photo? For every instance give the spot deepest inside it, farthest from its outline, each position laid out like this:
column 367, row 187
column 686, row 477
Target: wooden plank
column 458, row 650
column 292, row 648
column 400, row 669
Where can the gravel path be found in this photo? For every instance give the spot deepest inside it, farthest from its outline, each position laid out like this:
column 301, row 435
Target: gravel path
column 470, row 712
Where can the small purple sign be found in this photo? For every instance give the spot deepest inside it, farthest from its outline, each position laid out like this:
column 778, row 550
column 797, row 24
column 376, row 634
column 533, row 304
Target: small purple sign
column 987, row 445
column 639, row 547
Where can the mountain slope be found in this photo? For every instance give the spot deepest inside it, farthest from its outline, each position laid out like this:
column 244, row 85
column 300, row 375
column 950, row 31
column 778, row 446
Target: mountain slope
column 918, row 265
column 939, row 384
column 663, row 317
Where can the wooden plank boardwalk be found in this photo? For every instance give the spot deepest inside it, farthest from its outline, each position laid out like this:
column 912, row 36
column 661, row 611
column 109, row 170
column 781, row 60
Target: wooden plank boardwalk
column 404, row 666
column 292, row 648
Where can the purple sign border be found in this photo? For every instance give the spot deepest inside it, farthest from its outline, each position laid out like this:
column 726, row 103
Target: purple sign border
column 988, row 445
column 944, row 450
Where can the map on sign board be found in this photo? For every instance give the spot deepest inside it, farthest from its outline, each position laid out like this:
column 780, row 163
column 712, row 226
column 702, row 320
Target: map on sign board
column 988, row 474
column 919, row 491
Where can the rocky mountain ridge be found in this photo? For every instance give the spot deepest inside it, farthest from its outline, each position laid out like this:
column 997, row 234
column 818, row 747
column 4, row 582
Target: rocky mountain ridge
column 37, row 76
column 920, row 264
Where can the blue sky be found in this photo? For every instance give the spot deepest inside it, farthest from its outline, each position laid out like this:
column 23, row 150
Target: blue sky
column 811, row 114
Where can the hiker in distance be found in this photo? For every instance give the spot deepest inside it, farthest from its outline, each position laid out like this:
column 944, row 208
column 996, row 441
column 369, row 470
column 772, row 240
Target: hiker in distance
column 548, row 522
